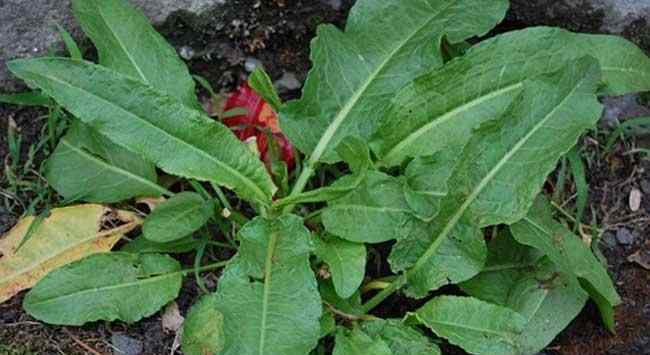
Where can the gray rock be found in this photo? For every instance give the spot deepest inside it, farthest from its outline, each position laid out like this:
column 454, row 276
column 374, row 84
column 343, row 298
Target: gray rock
column 288, row 82
column 335, row 4
column 630, row 18
column 624, row 236
column 622, row 107
column 252, row 63
column 27, row 27
column 125, row 345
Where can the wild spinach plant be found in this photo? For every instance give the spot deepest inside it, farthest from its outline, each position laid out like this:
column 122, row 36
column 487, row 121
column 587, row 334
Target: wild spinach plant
column 422, row 153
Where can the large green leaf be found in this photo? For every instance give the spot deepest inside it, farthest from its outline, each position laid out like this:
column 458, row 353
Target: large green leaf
column 178, row 139
column 356, row 342
column 178, row 217
column 87, row 166
column 438, row 110
column 570, row 254
column 400, row 338
column 203, row 328
column 385, row 45
column 376, row 211
column 278, row 311
column 346, row 261
column 518, row 277
column 128, row 44
column 505, row 163
column 107, row 286
column 479, row 327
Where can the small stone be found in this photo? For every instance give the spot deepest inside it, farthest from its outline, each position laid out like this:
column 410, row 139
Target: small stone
column 252, row 63
column 624, row 236
column 186, row 52
column 172, row 320
column 635, row 200
column 288, row 82
column 125, row 345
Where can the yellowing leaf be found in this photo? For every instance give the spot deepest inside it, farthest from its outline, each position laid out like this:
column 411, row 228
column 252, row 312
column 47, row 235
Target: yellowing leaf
column 67, row 235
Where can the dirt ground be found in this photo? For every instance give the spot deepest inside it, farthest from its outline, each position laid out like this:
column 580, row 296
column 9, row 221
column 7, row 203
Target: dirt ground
column 277, row 34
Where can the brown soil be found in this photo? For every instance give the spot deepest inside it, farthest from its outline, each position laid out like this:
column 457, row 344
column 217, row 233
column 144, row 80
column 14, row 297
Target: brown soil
column 278, row 34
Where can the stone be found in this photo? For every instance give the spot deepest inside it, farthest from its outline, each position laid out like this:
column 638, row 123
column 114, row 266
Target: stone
column 624, row 236
column 630, row 18
column 252, row 63
column 125, row 345
column 619, row 108
column 28, row 27
column 288, row 82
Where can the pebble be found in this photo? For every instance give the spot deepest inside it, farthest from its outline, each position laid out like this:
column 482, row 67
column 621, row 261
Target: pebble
column 186, row 52
column 288, row 82
column 624, row 236
column 634, row 200
column 125, row 345
column 252, row 63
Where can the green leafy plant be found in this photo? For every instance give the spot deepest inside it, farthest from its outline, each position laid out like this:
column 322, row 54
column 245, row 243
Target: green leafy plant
column 410, row 136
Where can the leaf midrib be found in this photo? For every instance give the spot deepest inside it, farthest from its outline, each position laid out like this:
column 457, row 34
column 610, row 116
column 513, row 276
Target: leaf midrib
column 122, row 45
column 486, row 180
column 113, row 168
column 502, row 334
column 268, row 263
column 343, row 113
column 107, row 288
column 366, row 207
column 231, row 170
column 389, row 156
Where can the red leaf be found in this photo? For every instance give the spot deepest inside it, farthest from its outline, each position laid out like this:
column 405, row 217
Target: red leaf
column 260, row 118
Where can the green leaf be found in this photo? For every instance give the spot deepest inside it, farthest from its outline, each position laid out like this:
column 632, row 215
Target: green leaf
column 70, row 44
column 178, row 139
column 355, row 73
column 142, row 245
column 476, row 326
column 327, row 324
column 455, row 257
column 111, row 286
column 32, row 98
column 346, row 261
column 400, row 338
column 569, row 253
column 426, row 182
column 128, row 44
column 356, row 342
column 203, row 332
column 87, row 166
column 519, row 277
column 351, row 305
column 506, row 262
column 505, row 163
column 178, row 217
column 279, row 310
column 263, row 86
column 374, row 212
column 439, row 109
